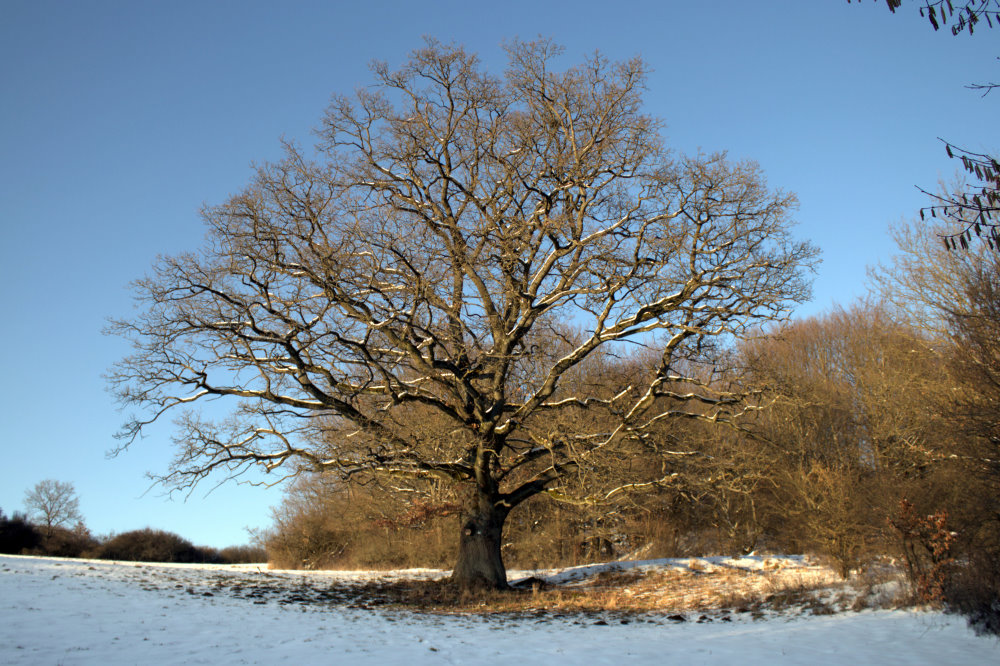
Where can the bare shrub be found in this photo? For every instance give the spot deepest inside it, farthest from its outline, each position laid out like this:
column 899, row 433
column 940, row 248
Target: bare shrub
column 149, row 545
column 62, row 542
column 324, row 525
column 926, row 544
column 245, row 554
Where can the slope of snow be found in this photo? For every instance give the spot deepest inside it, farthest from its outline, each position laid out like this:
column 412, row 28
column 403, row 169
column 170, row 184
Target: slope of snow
column 78, row 612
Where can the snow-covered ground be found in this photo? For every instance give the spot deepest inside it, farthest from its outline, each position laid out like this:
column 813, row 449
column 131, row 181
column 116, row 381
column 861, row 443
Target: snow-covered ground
column 55, row 611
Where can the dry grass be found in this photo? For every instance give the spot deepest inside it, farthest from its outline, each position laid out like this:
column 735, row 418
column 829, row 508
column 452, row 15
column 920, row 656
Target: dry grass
column 699, row 586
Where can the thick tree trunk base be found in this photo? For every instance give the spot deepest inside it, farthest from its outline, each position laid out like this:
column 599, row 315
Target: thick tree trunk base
column 480, row 565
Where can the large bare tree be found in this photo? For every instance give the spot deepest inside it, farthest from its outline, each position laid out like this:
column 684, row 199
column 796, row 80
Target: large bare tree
column 410, row 301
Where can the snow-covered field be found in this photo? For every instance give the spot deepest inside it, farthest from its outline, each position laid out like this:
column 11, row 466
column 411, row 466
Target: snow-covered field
column 55, row 611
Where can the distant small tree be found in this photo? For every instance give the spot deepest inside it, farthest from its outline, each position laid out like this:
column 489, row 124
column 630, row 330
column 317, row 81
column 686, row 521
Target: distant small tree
column 53, row 503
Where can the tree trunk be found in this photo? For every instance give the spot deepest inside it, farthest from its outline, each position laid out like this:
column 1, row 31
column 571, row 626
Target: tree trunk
column 480, row 565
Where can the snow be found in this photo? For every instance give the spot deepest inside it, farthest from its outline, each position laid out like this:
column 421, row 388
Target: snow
column 55, row 611
column 800, row 563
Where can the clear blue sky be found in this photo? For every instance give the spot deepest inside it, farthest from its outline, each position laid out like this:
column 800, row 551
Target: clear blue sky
column 119, row 119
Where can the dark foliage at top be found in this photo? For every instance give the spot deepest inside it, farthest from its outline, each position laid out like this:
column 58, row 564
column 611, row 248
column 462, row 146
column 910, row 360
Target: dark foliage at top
column 17, row 534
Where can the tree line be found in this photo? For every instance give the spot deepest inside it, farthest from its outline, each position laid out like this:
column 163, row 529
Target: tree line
column 53, row 526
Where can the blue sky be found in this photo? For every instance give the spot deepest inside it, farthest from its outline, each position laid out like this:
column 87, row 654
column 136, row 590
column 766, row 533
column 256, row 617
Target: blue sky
column 118, row 120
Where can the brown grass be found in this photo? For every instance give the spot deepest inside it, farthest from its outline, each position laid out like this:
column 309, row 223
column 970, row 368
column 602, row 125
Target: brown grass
column 703, row 587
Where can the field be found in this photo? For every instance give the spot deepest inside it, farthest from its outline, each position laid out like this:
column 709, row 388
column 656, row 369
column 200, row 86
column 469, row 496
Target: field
column 755, row 610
